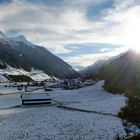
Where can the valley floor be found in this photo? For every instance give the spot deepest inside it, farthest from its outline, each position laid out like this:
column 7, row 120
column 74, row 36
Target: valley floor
column 85, row 114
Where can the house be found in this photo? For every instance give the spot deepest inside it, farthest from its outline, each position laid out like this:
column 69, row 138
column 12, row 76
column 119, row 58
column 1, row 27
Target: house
column 72, row 84
column 35, row 98
column 89, row 82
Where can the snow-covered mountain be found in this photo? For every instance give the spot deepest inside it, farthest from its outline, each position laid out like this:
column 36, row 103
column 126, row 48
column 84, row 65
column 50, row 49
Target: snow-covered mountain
column 22, row 39
column 2, row 35
column 94, row 68
column 19, row 53
column 121, row 73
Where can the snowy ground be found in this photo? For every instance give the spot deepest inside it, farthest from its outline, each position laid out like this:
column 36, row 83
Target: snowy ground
column 7, row 90
column 52, row 123
column 91, row 98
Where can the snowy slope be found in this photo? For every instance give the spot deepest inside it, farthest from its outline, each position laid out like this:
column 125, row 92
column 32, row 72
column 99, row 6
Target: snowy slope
column 22, row 38
column 2, row 35
column 12, row 71
column 36, row 75
column 3, row 78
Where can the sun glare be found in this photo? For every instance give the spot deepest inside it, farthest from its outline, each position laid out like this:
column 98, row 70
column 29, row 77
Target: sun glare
column 132, row 40
column 137, row 49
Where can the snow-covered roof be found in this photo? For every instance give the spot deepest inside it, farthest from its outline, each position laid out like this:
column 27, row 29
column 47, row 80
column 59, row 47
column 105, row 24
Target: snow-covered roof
column 35, row 96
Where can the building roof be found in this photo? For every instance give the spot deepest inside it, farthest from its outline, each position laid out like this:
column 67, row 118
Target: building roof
column 35, row 96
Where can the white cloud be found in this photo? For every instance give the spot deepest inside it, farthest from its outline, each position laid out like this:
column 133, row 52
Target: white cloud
column 56, row 27
column 105, row 49
column 88, row 59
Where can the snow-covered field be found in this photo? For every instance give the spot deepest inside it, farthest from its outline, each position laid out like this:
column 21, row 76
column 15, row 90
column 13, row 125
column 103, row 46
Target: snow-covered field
column 91, row 98
column 53, row 123
column 8, row 89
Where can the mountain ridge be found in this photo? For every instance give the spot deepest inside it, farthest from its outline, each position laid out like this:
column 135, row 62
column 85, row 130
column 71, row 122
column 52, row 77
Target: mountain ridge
column 121, row 73
column 19, row 53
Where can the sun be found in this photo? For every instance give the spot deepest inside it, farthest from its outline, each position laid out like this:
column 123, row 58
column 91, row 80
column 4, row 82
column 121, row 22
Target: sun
column 136, row 49
column 132, row 40
column 135, row 43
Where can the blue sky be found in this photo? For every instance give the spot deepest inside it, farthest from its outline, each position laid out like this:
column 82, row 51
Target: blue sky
column 79, row 31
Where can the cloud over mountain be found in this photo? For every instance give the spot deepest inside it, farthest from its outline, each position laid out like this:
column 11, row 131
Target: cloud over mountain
column 58, row 24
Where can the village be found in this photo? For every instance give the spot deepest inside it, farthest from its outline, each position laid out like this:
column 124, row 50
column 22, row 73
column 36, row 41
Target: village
column 26, row 89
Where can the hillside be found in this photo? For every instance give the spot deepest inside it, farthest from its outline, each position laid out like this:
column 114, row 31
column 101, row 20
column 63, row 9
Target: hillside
column 93, row 69
column 20, row 53
column 123, row 73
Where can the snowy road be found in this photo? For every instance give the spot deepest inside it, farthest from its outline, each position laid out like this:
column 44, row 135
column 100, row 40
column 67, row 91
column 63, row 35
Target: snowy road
column 52, row 123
